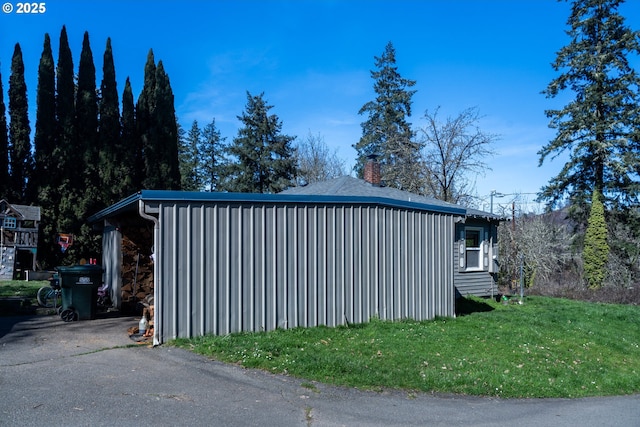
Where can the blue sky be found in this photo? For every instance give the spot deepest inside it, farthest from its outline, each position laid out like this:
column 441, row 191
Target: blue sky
column 312, row 59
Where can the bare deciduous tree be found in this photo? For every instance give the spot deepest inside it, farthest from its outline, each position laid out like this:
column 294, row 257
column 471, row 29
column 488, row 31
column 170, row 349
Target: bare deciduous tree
column 316, row 162
column 541, row 243
column 454, row 149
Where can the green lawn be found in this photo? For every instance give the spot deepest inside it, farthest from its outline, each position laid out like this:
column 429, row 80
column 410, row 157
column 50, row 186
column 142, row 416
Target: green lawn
column 546, row 347
column 21, row 288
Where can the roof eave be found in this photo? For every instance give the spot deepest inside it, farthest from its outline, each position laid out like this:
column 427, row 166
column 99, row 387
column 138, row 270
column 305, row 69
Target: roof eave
column 130, row 203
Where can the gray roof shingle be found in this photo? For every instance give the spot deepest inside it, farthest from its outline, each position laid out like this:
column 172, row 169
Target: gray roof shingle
column 354, row 187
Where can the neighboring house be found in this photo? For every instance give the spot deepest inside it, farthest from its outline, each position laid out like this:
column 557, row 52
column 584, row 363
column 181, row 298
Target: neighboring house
column 332, row 253
column 18, row 239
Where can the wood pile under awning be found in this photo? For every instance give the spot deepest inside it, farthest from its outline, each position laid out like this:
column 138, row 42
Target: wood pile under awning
column 137, row 266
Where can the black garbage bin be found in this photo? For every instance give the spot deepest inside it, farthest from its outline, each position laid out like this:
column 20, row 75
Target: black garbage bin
column 79, row 284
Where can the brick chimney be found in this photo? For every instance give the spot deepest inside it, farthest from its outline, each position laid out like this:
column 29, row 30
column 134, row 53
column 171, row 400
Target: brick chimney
column 372, row 171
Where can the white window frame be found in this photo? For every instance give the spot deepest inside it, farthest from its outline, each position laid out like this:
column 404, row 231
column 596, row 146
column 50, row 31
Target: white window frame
column 477, row 249
column 482, row 250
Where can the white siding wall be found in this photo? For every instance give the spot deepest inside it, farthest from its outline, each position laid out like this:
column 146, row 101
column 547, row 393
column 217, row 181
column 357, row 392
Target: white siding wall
column 225, row 268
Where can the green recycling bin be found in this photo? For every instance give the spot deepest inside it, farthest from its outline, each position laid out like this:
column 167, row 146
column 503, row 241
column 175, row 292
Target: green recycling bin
column 79, row 284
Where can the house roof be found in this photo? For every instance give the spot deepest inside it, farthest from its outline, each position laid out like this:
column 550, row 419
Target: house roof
column 24, row 212
column 341, row 190
column 349, row 186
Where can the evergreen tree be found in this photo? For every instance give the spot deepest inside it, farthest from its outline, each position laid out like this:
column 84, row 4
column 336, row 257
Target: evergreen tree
column 46, row 128
column 112, row 151
column 386, row 132
column 189, row 159
column 5, row 185
column 596, row 249
column 86, row 190
column 599, row 127
column 264, row 157
column 132, row 163
column 147, row 134
column 46, row 174
column 87, row 116
column 210, row 154
column 20, row 156
column 157, row 129
column 166, row 126
column 68, row 156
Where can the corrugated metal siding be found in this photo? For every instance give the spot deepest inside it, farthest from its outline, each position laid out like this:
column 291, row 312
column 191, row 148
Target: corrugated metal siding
column 249, row 267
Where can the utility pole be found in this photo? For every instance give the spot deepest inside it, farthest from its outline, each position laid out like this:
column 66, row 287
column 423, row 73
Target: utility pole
column 493, row 194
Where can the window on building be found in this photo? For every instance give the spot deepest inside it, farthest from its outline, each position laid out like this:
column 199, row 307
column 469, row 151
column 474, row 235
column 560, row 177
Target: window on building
column 473, row 246
column 9, row 222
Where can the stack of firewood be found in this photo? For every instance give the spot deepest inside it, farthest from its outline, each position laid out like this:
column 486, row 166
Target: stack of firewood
column 137, row 265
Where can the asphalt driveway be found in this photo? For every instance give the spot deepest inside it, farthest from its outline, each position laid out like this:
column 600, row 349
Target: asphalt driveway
column 91, row 373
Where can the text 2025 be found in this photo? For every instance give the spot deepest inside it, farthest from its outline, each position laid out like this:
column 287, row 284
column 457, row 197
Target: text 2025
column 31, row 7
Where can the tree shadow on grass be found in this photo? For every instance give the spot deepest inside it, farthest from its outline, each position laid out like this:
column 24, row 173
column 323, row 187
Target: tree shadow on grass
column 466, row 306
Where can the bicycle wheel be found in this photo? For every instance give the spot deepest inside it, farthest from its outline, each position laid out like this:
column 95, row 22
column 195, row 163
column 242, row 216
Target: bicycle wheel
column 46, row 297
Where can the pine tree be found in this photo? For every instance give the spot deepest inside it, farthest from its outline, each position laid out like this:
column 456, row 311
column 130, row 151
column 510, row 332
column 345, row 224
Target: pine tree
column 596, row 249
column 4, row 149
column 20, row 156
column 112, row 151
column 386, row 132
column 132, row 163
column 599, row 127
column 264, row 157
column 211, row 152
column 189, row 159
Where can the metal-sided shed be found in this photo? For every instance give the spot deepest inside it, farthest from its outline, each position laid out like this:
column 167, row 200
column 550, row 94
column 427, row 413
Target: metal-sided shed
column 229, row 262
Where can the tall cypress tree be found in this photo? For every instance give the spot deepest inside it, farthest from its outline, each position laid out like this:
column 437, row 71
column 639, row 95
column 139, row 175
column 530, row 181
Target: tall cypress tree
column 264, row 157
column 87, row 114
column 157, row 129
column 66, row 154
column 109, row 134
column 145, row 108
column 166, row 126
column 599, row 127
column 132, row 163
column 46, row 127
column 47, row 173
column 386, row 132
column 87, row 189
column 20, row 155
column 4, row 149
